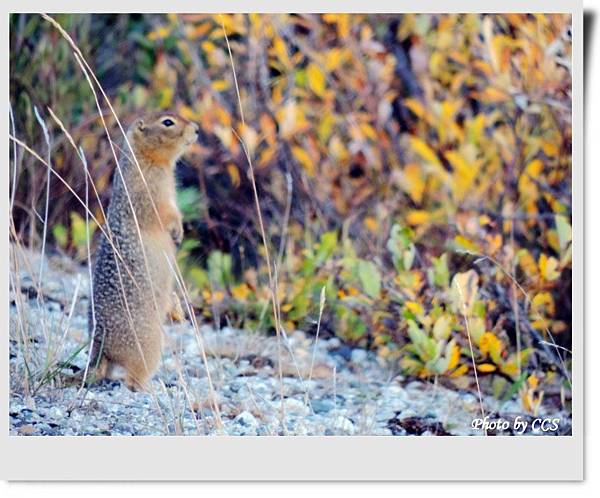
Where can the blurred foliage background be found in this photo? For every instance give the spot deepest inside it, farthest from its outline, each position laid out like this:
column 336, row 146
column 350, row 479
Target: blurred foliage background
column 415, row 167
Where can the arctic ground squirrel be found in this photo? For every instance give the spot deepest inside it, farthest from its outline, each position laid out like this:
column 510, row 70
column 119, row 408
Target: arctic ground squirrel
column 133, row 272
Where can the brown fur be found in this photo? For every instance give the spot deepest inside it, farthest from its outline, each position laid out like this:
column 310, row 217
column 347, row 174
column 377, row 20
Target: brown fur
column 133, row 292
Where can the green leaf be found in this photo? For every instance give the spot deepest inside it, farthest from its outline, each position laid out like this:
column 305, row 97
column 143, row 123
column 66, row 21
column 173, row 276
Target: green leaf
column 219, row 269
column 61, row 235
column 514, row 388
column 370, row 278
column 563, row 228
column 326, row 246
column 189, row 202
column 198, row 277
column 79, row 232
column 350, row 324
column 441, row 274
column 418, row 338
column 442, row 327
column 401, row 246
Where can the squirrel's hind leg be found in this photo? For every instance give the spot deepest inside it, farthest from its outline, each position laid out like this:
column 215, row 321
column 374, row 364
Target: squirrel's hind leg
column 140, row 369
column 97, row 372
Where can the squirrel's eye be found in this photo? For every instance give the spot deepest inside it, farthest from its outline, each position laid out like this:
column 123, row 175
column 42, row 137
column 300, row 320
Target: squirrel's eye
column 168, row 122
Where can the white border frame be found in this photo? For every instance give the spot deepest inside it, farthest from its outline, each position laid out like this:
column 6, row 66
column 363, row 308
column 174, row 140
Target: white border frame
column 295, row 457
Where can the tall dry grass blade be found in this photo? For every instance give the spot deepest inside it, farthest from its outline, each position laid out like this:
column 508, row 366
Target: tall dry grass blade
column 15, row 159
column 464, row 313
column 90, row 272
column 48, row 181
column 183, row 288
column 314, row 352
column 272, row 284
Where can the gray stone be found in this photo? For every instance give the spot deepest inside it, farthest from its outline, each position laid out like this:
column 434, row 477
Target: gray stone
column 246, row 419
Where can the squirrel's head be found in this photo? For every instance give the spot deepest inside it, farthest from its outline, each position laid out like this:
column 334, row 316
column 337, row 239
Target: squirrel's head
column 161, row 139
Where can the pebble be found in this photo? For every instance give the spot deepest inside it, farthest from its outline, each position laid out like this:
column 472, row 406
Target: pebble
column 344, row 425
column 295, row 406
column 246, row 419
column 358, row 356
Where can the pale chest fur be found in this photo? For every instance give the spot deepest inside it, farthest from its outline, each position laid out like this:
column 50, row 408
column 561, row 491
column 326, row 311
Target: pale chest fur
column 155, row 199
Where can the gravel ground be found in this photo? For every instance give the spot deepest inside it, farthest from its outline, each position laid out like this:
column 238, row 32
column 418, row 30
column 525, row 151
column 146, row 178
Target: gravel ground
column 346, row 392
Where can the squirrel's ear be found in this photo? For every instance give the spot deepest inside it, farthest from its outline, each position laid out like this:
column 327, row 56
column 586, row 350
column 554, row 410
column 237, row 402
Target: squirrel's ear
column 140, row 125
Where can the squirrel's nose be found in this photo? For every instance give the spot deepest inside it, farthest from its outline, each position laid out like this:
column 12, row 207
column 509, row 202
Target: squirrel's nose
column 196, row 128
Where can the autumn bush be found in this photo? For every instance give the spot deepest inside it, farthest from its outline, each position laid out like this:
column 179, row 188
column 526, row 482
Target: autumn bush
column 415, row 169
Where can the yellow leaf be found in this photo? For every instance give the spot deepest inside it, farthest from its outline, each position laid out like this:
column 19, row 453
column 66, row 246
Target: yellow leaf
column 461, row 370
column 490, row 345
column 414, row 182
column 281, row 51
column 326, row 126
column 527, row 263
column 159, row 33
column 166, row 97
column 486, row 367
column 415, row 107
column 341, row 20
column 241, row 292
column 220, row 85
column 510, row 369
column 494, row 95
column 464, row 291
column 465, row 243
column 371, row 224
column 353, row 291
column 188, row 113
column 532, row 380
column 208, row 46
column 548, row 267
column 550, row 149
column 266, row 156
column 424, row 151
column 476, row 128
column 304, row 159
column 334, row 58
column 464, row 174
column 368, row 131
column 543, row 301
column 193, row 32
column 316, row 79
column 234, row 174
column 414, row 307
column 454, row 357
column 417, row 217
column 534, row 168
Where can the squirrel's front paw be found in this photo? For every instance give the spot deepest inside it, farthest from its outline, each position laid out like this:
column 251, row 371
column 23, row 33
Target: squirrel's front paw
column 176, row 233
